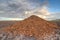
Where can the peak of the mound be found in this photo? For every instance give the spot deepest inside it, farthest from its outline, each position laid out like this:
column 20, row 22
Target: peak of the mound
column 32, row 26
column 34, row 17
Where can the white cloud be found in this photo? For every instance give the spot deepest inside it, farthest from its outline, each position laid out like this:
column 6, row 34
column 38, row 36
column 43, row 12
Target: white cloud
column 44, row 11
column 41, row 12
column 54, row 16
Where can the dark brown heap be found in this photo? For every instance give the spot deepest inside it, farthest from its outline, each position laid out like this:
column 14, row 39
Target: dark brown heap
column 32, row 26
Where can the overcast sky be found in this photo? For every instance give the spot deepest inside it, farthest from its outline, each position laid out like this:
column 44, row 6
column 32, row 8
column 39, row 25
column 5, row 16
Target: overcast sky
column 20, row 9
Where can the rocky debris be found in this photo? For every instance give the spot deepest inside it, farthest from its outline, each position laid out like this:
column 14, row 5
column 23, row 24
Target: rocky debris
column 34, row 27
column 5, row 36
column 10, row 36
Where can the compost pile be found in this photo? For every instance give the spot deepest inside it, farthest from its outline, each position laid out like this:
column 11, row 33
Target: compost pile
column 32, row 28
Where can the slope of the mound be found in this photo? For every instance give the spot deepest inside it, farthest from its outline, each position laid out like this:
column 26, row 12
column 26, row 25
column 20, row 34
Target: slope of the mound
column 32, row 26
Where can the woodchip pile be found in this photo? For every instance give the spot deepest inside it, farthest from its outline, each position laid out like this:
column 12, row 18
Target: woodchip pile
column 33, row 27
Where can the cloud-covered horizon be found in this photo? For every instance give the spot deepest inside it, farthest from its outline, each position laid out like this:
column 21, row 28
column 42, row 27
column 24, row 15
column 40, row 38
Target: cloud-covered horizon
column 23, row 9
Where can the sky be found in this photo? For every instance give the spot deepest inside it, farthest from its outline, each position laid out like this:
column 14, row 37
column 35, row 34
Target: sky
column 21, row 9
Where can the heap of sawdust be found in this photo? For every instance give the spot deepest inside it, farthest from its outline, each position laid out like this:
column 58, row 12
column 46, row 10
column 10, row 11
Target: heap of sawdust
column 32, row 26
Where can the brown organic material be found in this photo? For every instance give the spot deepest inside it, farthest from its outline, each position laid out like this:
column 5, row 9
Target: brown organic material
column 32, row 26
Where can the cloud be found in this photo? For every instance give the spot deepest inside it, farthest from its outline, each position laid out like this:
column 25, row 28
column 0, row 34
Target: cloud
column 41, row 12
column 23, row 8
column 54, row 16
